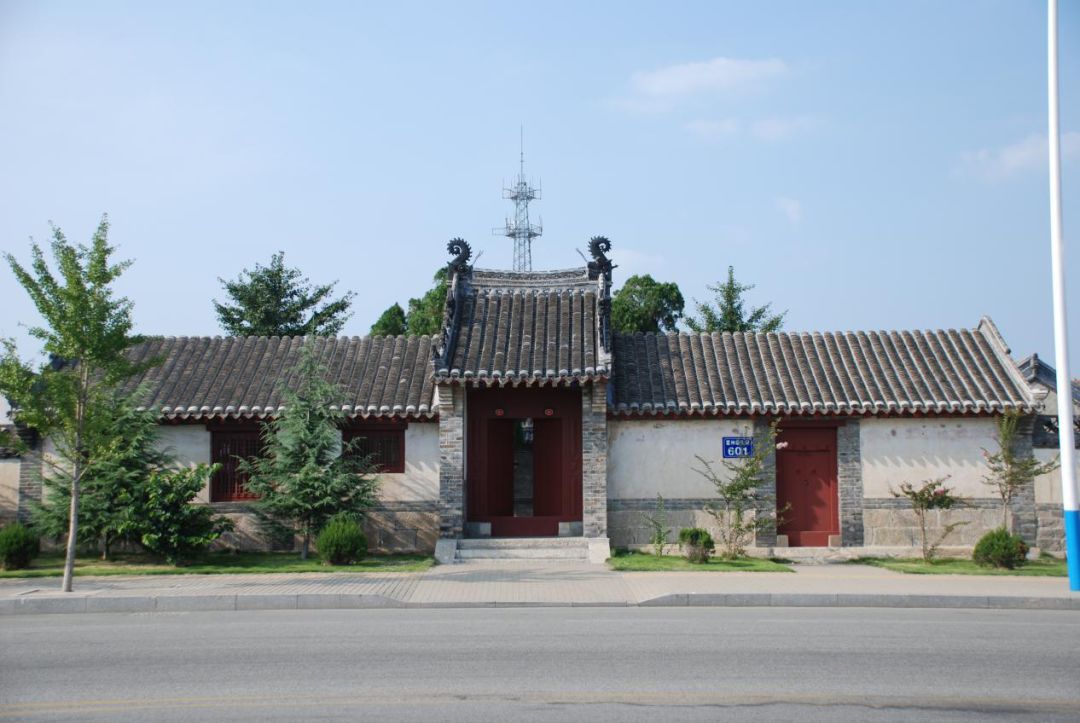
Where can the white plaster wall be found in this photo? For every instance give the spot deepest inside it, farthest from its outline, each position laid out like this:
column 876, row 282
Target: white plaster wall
column 420, row 480
column 9, row 487
column 189, row 444
column 647, row 456
column 1048, row 486
column 914, row 450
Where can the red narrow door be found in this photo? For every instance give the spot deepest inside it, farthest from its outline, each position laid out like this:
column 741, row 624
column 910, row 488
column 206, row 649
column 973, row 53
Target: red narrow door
column 548, row 469
column 806, row 484
column 500, row 467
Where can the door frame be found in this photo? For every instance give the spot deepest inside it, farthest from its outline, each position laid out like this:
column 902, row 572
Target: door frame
column 563, row 403
column 834, row 530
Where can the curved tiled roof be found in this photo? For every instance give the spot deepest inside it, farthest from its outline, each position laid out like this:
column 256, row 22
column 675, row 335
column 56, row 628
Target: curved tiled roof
column 817, row 373
column 526, row 327
column 240, row 377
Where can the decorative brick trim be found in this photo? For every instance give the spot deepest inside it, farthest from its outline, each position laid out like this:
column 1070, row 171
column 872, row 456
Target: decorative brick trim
column 767, row 489
column 849, row 478
column 594, row 449
column 451, row 410
column 902, row 503
column 1024, row 520
column 30, row 471
column 648, row 504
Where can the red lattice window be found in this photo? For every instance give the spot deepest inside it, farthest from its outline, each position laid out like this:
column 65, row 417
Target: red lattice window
column 385, row 446
column 226, row 449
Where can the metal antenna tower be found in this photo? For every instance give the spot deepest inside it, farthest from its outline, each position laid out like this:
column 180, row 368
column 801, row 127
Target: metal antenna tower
column 520, row 229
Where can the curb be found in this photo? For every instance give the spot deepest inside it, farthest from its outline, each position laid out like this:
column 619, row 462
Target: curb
column 240, row 602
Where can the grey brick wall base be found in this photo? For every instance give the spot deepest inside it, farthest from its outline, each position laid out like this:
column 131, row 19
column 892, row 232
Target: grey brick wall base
column 451, row 460
column 594, row 449
column 849, row 477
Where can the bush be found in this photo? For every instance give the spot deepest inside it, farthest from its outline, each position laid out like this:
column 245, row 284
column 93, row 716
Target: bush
column 342, row 541
column 999, row 548
column 18, row 546
column 169, row 524
column 697, row 543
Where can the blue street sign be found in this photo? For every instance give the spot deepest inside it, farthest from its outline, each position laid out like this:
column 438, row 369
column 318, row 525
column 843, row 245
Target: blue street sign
column 738, row 447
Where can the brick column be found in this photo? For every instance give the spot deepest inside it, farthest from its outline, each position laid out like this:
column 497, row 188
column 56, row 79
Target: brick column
column 29, row 474
column 767, row 489
column 1024, row 520
column 849, row 478
column 451, row 460
column 594, row 458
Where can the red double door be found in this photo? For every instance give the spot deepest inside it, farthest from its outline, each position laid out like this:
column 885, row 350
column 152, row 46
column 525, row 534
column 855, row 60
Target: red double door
column 806, row 484
column 550, row 421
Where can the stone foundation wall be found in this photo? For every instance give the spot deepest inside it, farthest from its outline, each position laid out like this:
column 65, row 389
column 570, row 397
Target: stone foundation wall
column 391, row 528
column 627, row 526
column 897, row 526
column 1051, row 520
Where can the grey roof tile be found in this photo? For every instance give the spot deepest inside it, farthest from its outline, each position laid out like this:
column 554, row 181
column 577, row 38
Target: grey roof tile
column 798, row 373
column 240, row 377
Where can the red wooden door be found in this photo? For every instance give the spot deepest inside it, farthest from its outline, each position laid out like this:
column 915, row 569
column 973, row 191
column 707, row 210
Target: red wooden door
column 548, row 469
column 806, row 484
column 500, row 466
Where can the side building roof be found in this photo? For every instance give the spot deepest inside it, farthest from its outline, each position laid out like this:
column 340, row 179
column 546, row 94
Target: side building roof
column 858, row 372
column 202, row 378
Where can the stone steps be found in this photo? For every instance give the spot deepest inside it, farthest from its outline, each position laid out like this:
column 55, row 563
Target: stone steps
column 524, row 548
column 593, row 550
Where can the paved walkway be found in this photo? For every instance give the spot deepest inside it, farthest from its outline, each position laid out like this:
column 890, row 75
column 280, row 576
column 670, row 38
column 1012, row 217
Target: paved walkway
column 506, row 584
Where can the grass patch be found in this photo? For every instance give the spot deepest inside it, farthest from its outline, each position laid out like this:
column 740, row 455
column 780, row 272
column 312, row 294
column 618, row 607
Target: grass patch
column 1043, row 567
column 217, row 563
column 633, row 561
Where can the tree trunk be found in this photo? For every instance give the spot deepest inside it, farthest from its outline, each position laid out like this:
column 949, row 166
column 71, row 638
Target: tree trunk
column 76, row 476
column 304, row 545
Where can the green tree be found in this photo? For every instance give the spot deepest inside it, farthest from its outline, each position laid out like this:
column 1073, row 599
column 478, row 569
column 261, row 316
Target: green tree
column 278, row 301
column 391, row 323
column 305, row 475
column 728, row 312
column 122, row 451
column 426, row 313
column 166, row 521
column 1009, row 472
column 644, row 304
column 742, row 508
column 86, row 333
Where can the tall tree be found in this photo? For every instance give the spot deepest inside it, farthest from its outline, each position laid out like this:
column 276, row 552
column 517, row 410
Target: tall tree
column 426, row 313
column 391, row 323
column 644, row 304
column 278, row 301
column 729, row 313
column 122, row 450
column 305, row 477
column 1009, row 472
column 86, row 332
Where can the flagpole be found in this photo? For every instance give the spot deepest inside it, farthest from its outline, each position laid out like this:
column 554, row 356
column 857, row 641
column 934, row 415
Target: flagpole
column 1069, row 494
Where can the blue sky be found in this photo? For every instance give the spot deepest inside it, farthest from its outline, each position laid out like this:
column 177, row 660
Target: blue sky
column 868, row 165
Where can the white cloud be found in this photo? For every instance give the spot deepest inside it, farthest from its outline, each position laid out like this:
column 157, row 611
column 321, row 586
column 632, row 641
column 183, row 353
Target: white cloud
column 713, row 129
column 659, row 90
column 1030, row 153
column 781, row 129
column 718, row 74
column 791, row 208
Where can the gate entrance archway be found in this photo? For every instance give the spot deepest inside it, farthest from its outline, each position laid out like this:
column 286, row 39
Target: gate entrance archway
column 524, row 460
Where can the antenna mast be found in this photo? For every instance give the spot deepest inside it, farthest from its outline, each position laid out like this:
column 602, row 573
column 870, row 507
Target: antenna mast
column 520, row 229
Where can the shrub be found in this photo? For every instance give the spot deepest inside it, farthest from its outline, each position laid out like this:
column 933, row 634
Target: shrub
column 342, row 541
column 932, row 495
column 169, row 525
column 18, row 546
column 999, row 548
column 658, row 526
column 697, row 543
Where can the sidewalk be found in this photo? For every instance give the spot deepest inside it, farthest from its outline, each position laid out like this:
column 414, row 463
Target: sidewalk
column 516, row 584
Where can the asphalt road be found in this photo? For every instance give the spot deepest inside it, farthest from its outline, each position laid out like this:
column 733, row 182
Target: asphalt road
column 545, row 664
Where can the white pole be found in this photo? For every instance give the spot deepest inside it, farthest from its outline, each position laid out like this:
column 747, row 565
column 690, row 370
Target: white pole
column 1069, row 493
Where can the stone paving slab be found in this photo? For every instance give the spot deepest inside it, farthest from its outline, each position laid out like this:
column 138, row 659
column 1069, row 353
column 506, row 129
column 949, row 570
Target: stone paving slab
column 531, row 584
